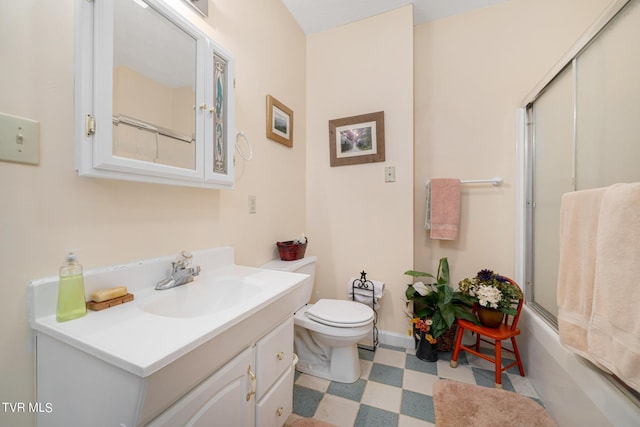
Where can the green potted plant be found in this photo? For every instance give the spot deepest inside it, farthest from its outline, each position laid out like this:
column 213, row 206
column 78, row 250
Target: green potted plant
column 437, row 303
column 493, row 294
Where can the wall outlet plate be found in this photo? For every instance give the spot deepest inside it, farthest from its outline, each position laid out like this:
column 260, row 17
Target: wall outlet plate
column 19, row 140
column 390, row 174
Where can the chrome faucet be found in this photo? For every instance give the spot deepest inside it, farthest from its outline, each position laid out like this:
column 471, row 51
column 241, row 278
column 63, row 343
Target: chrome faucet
column 181, row 272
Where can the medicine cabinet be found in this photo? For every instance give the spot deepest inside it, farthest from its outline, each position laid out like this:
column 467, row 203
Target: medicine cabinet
column 154, row 97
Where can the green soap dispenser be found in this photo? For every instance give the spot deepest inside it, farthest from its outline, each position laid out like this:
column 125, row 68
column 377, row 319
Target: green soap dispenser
column 71, row 303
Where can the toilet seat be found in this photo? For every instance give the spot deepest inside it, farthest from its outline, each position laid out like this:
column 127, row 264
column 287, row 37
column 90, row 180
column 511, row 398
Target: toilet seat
column 340, row 313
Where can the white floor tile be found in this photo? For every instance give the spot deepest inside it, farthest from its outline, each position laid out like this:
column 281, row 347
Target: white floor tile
column 419, row 382
column 462, row 373
column 407, row 421
column 313, row 383
column 337, row 410
column 390, row 357
column 478, row 362
column 382, row 396
column 522, row 386
column 365, row 369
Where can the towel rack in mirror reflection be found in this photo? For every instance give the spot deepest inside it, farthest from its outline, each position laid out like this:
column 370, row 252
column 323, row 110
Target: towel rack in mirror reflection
column 496, row 180
column 140, row 124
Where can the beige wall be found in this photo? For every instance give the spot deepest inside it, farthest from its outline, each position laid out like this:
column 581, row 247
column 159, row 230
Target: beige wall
column 355, row 220
column 48, row 209
column 472, row 72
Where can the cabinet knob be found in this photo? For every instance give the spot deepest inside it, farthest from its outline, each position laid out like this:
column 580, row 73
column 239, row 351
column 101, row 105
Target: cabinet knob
column 203, row 106
column 280, row 356
column 280, row 411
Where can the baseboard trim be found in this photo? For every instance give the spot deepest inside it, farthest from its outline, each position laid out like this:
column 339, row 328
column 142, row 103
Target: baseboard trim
column 395, row 339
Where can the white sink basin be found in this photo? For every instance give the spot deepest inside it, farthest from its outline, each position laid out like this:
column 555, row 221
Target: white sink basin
column 204, row 297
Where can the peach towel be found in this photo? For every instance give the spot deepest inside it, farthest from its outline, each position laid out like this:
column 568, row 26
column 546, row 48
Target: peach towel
column 614, row 330
column 579, row 216
column 444, row 208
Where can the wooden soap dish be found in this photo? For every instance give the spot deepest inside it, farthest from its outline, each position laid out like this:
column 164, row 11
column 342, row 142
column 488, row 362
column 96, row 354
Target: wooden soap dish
column 97, row 306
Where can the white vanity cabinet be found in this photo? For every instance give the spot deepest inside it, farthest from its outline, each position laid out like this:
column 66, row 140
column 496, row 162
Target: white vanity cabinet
column 263, row 374
column 196, row 355
column 254, row 388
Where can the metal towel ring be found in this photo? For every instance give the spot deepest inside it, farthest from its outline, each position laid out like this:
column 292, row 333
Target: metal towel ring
column 239, row 150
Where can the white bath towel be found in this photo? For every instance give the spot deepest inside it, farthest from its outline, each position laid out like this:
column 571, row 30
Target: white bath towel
column 579, row 216
column 614, row 329
column 364, row 294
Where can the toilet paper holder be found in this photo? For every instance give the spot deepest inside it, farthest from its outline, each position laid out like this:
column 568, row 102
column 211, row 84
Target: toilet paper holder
column 363, row 286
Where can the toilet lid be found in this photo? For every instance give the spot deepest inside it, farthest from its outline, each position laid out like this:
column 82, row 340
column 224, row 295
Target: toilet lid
column 345, row 314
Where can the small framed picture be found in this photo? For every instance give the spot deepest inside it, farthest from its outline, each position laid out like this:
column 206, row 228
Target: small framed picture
column 279, row 122
column 357, row 139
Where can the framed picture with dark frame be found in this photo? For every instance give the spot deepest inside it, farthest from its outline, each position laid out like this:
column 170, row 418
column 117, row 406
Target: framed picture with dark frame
column 357, row 139
column 279, row 122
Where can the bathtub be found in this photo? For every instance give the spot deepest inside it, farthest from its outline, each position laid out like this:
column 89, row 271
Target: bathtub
column 574, row 393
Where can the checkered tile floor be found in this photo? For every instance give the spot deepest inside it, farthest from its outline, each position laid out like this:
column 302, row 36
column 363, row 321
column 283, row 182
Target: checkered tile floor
column 395, row 389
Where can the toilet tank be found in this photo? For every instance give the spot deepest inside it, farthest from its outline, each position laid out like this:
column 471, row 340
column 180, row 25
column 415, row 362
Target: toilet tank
column 306, row 265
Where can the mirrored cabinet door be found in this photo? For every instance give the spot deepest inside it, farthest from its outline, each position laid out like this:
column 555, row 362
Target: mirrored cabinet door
column 154, row 96
column 219, row 159
column 154, row 87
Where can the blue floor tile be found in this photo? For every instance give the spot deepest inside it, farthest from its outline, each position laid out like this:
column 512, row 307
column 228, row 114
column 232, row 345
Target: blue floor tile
column 418, row 405
column 348, row 391
column 366, row 354
column 487, row 378
column 386, row 374
column 369, row 416
column 413, row 363
column 512, row 370
column 305, row 401
column 462, row 358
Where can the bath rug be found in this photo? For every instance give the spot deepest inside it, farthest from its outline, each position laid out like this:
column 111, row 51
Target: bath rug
column 308, row 422
column 458, row 404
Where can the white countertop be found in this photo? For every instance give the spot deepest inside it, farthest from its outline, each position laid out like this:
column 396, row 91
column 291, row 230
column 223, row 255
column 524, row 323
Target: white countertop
column 141, row 342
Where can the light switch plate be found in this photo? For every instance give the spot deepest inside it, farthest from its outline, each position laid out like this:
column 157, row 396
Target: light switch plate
column 19, row 140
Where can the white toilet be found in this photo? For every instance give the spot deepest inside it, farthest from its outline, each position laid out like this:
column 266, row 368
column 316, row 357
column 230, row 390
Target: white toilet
column 327, row 332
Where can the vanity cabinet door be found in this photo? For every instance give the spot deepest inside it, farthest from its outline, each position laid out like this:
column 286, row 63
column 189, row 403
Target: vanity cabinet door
column 274, row 408
column 274, row 355
column 221, row 400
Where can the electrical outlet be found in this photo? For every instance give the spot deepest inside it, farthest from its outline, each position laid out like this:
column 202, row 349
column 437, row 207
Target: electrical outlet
column 252, row 204
column 390, row 174
column 19, row 140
